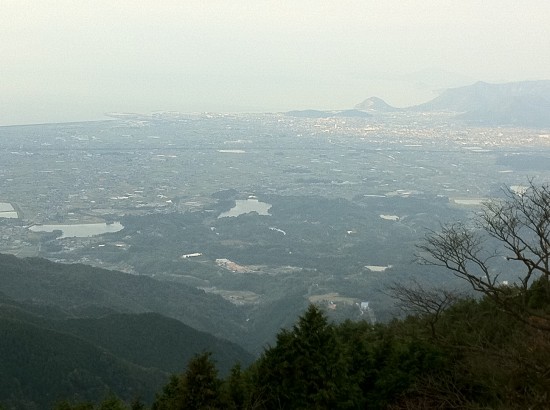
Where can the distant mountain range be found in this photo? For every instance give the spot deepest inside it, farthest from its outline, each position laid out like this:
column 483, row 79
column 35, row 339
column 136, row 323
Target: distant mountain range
column 525, row 103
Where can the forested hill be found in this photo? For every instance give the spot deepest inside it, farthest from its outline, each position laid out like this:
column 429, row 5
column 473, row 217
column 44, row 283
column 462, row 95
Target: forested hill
column 81, row 288
column 468, row 355
column 451, row 353
column 62, row 337
column 40, row 366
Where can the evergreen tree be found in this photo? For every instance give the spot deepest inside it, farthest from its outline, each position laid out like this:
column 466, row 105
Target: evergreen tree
column 307, row 368
column 198, row 388
column 236, row 390
column 201, row 385
column 137, row 404
column 112, row 402
column 171, row 395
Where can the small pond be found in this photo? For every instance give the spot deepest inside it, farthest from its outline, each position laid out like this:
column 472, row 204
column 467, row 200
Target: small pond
column 244, row 206
column 80, row 230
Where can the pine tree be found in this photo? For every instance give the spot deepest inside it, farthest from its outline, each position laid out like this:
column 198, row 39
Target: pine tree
column 201, row 385
column 307, row 368
column 112, row 402
column 198, row 388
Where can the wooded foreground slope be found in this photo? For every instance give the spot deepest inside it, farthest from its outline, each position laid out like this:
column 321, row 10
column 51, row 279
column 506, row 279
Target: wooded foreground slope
column 473, row 356
column 63, row 337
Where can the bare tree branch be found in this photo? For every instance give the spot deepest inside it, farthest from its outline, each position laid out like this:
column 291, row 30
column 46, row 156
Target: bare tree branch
column 520, row 222
column 427, row 303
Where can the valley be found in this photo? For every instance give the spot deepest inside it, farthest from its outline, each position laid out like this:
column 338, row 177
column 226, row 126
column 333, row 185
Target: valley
column 265, row 212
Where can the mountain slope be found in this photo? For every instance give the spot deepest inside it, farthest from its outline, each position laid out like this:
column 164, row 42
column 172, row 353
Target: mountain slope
column 78, row 287
column 43, row 359
column 528, row 110
column 145, row 339
column 40, row 366
column 152, row 340
column 525, row 103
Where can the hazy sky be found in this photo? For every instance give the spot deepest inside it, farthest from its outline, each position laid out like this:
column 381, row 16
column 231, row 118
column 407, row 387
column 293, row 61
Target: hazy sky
column 74, row 60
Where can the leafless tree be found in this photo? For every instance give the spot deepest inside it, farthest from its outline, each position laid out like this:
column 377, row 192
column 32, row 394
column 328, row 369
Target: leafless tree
column 434, row 392
column 413, row 298
column 520, row 223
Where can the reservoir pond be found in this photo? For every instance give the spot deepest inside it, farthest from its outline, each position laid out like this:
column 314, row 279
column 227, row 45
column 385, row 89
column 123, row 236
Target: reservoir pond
column 80, row 230
column 7, row 211
column 244, row 206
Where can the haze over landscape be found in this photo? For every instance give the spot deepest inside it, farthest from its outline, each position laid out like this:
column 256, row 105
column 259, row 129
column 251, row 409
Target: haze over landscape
column 68, row 61
column 274, row 205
